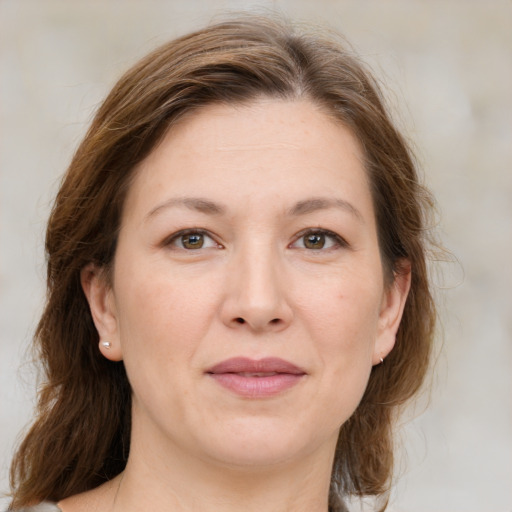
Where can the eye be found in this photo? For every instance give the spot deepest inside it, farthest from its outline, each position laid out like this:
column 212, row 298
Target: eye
column 192, row 239
column 317, row 239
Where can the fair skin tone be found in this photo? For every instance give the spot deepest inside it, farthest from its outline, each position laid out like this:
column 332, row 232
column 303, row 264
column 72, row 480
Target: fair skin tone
column 248, row 232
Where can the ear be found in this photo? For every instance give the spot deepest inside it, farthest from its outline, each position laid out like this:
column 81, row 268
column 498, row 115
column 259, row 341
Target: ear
column 392, row 308
column 100, row 296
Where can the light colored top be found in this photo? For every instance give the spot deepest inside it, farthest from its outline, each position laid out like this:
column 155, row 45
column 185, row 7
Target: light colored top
column 46, row 506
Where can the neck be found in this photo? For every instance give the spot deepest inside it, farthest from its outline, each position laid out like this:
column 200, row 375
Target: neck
column 172, row 480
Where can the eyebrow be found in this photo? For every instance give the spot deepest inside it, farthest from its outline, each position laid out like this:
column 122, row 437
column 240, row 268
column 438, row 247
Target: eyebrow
column 323, row 203
column 198, row 204
column 303, row 207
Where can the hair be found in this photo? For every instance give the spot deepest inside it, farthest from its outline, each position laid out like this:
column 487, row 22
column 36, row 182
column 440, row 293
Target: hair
column 81, row 435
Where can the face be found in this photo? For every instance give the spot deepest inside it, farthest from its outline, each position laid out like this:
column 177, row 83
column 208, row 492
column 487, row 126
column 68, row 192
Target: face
column 248, row 299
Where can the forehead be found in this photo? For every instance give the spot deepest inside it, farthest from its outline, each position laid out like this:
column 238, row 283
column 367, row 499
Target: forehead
column 269, row 147
column 265, row 123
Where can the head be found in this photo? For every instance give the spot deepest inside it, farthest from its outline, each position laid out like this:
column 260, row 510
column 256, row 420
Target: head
column 244, row 63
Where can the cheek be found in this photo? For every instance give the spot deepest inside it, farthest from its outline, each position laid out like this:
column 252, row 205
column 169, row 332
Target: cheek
column 346, row 340
column 161, row 318
column 160, row 331
column 343, row 321
column 343, row 312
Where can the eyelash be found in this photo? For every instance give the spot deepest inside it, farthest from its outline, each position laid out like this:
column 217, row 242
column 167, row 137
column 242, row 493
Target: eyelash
column 338, row 241
column 192, row 231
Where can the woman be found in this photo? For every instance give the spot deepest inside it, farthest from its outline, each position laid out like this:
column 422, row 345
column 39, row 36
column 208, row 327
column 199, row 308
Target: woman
column 238, row 300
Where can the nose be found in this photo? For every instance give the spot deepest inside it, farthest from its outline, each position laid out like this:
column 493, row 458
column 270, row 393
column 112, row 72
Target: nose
column 256, row 299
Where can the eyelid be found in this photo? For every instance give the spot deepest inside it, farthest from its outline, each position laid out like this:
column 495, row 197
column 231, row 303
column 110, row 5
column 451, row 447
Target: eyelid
column 338, row 239
column 189, row 231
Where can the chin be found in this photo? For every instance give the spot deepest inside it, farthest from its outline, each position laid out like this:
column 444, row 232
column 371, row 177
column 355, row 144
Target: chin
column 253, row 456
column 265, row 442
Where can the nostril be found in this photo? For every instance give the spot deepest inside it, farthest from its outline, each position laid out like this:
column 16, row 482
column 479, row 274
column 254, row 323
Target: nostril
column 241, row 321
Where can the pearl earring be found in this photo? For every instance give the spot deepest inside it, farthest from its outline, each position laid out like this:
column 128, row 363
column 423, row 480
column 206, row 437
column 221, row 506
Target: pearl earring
column 106, row 344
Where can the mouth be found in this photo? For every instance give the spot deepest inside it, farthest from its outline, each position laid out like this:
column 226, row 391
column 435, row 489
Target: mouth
column 260, row 378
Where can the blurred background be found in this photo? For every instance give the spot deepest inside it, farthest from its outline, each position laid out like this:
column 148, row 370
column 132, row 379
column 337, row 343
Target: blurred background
column 447, row 66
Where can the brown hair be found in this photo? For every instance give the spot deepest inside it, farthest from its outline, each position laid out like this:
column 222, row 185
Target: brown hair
column 82, row 432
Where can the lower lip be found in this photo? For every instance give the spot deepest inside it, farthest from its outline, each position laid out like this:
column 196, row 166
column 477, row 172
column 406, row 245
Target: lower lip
column 257, row 387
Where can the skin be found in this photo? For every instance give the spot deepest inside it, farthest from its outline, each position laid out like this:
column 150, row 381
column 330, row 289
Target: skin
column 255, row 289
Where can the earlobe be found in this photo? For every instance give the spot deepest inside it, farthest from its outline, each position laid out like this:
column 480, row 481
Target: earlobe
column 99, row 295
column 392, row 308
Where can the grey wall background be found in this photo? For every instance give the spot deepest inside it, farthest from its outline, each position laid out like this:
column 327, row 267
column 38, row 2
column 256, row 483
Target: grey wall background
column 449, row 67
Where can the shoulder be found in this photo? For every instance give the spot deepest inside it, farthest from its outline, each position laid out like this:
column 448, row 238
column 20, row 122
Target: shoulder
column 42, row 507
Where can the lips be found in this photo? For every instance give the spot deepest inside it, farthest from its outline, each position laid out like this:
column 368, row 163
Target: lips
column 251, row 378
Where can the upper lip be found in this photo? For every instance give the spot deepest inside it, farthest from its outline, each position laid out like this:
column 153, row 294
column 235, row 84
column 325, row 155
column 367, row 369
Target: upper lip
column 265, row 365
